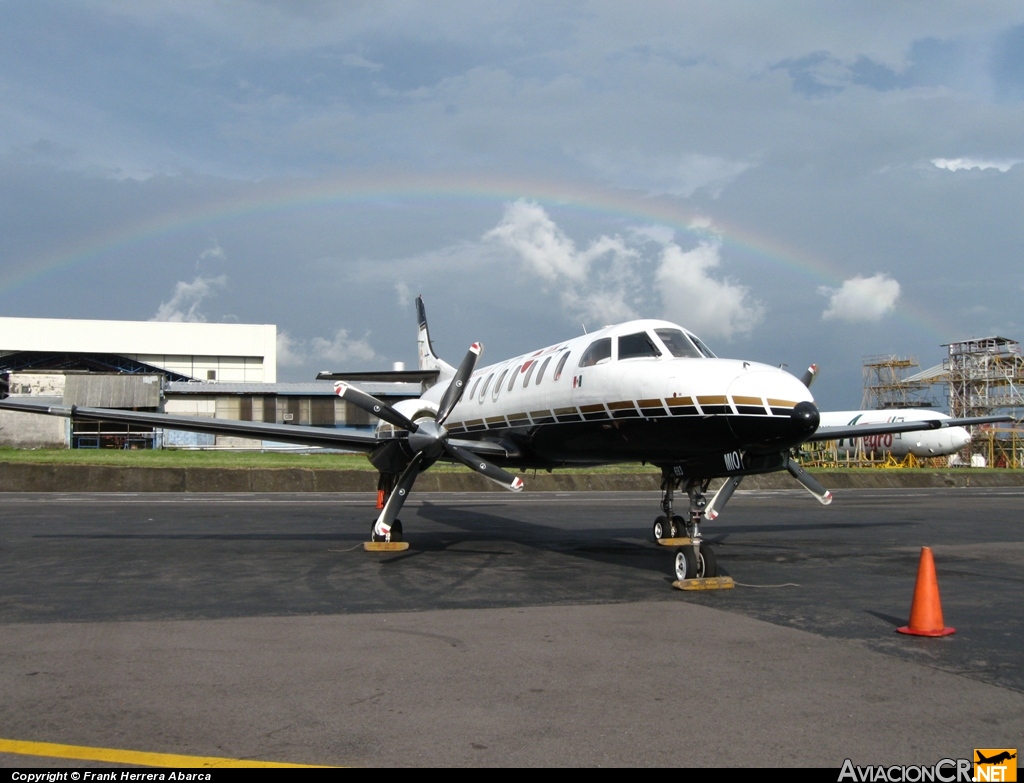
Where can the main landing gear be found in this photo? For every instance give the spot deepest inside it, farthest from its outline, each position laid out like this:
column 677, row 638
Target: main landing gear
column 694, row 560
column 394, row 534
column 392, row 540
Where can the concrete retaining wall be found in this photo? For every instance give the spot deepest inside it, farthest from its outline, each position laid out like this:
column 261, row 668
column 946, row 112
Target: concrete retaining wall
column 20, row 477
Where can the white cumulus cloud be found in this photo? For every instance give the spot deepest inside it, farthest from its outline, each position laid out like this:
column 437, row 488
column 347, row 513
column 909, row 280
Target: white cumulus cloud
column 966, row 164
column 188, row 295
column 861, row 298
column 615, row 279
column 339, row 349
column 692, row 297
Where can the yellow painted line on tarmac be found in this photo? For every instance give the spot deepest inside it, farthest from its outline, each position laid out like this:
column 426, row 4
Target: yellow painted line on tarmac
column 140, row 758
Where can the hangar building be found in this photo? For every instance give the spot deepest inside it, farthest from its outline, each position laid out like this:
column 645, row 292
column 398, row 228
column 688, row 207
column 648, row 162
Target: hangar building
column 187, row 369
column 239, row 353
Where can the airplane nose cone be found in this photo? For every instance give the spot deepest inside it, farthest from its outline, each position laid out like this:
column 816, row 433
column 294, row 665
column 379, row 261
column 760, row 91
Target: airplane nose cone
column 962, row 438
column 806, row 417
column 778, row 431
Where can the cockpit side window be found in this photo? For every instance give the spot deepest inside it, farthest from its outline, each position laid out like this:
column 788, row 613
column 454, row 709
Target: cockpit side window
column 701, row 347
column 599, row 351
column 678, row 343
column 639, row 345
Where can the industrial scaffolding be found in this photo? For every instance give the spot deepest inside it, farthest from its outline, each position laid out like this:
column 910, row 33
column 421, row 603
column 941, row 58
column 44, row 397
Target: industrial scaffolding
column 889, row 383
column 986, row 378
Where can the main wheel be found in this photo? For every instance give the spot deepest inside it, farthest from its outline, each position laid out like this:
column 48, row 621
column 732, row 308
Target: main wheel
column 661, row 528
column 678, row 525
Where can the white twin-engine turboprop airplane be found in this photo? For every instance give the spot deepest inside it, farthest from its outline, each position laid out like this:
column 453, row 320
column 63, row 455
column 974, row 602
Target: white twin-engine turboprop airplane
column 642, row 391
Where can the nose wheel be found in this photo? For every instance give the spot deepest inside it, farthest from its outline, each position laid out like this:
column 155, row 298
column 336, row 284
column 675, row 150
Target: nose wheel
column 695, row 563
column 663, row 528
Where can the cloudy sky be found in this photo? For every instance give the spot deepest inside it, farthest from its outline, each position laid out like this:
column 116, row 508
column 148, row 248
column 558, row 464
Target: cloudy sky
column 794, row 181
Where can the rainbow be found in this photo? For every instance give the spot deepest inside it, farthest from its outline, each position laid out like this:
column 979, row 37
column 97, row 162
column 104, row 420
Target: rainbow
column 615, row 207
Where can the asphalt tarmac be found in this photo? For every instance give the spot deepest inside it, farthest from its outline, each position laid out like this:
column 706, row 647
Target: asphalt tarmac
column 537, row 629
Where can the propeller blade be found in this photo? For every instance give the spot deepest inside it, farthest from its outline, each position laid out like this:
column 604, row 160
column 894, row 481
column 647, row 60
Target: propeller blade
column 480, row 465
column 398, row 495
column 714, row 508
column 371, row 404
column 809, row 374
column 810, row 483
column 457, row 387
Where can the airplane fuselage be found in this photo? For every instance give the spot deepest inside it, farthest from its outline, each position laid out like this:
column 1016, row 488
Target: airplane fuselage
column 925, row 443
column 639, row 391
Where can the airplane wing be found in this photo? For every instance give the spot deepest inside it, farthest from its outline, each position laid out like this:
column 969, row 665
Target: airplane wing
column 862, row 430
column 324, row 437
column 285, row 433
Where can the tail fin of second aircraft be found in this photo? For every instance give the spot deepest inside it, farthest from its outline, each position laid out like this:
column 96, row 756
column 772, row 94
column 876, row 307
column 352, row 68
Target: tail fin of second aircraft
column 428, row 359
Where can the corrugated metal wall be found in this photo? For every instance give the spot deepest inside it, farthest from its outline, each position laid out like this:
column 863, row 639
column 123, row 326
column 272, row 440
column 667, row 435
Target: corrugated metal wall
column 113, row 391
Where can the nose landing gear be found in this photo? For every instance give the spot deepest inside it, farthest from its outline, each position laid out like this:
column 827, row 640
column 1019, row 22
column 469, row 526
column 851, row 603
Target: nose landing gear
column 695, row 565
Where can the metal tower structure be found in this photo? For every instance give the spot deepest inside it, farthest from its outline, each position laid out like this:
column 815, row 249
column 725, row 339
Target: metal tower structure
column 986, row 376
column 887, row 384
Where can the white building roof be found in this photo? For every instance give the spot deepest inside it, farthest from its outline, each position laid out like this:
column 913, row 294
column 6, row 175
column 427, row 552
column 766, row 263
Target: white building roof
column 165, row 341
column 77, row 336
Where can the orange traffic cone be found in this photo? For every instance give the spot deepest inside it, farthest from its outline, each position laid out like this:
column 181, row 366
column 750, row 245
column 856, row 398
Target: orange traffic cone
column 926, row 610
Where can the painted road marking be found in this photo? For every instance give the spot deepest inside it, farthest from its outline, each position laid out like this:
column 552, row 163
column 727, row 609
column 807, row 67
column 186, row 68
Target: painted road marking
column 139, row 758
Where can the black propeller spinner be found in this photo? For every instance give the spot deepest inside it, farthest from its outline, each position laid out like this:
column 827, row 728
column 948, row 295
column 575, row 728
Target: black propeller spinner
column 429, row 440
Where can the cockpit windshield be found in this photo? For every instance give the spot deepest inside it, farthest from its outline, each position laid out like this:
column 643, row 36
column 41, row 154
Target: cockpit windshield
column 679, row 344
column 637, row 346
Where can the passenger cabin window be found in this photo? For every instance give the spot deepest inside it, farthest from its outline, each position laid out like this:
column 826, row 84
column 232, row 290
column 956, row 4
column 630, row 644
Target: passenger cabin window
column 637, row 346
column 543, row 367
column 497, row 385
column 483, row 391
column 529, row 374
column 678, row 344
column 599, row 351
column 476, row 385
column 512, row 380
column 561, row 364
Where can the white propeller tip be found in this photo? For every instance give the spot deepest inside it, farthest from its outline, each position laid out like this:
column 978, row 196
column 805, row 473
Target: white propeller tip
column 516, row 485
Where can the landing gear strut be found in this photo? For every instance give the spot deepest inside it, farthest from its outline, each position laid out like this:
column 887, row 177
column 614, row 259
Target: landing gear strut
column 693, row 559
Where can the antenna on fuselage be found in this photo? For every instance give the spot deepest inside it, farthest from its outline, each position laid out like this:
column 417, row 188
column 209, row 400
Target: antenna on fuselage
column 584, row 329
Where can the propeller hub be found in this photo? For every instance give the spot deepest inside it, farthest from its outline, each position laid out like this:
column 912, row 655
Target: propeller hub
column 429, row 437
